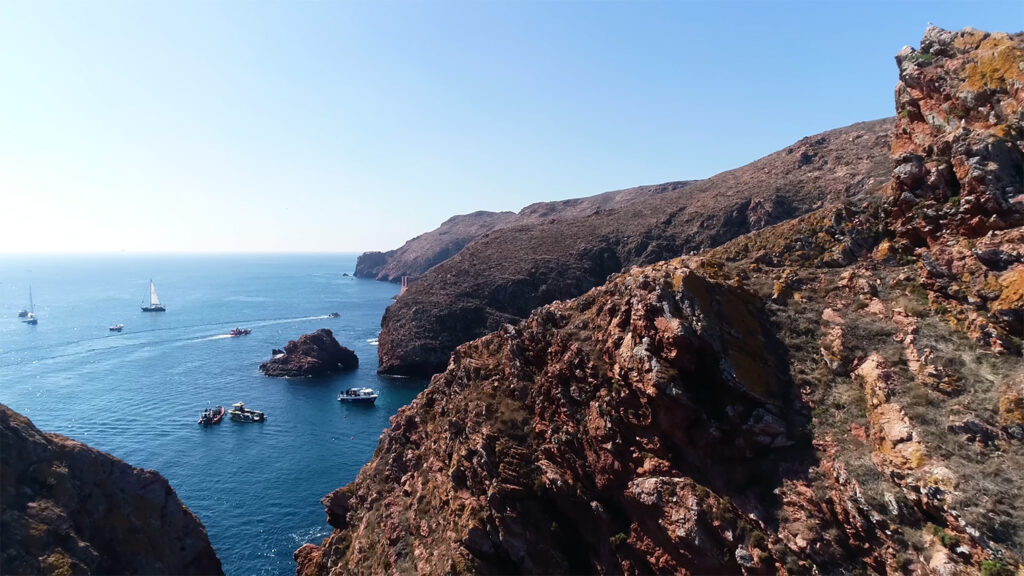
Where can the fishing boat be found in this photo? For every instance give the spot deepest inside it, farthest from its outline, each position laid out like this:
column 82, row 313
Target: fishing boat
column 30, row 314
column 239, row 413
column 240, row 332
column 211, row 416
column 154, row 300
column 358, row 395
column 117, row 327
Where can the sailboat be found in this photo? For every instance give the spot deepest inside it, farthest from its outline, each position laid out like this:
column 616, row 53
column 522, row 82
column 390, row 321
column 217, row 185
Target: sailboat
column 154, row 301
column 30, row 315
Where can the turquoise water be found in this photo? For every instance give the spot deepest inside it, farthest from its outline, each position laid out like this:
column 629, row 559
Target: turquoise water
column 137, row 394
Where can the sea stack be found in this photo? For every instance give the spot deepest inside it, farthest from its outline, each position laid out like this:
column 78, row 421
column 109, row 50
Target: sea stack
column 314, row 354
column 71, row 509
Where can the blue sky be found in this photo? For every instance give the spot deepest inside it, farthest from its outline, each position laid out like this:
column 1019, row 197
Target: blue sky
column 346, row 126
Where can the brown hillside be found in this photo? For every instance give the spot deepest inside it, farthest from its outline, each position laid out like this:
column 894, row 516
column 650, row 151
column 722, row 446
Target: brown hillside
column 840, row 393
column 504, row 275
column 425, row 251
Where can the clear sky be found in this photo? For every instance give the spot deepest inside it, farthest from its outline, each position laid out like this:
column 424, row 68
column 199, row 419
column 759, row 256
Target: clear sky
column 345, row 126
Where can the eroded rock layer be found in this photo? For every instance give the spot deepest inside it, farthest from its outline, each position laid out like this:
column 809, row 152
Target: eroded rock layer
column 839, row 393
column 70, row 509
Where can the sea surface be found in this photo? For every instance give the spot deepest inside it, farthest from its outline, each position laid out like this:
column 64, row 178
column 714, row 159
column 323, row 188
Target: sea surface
column 138, row 394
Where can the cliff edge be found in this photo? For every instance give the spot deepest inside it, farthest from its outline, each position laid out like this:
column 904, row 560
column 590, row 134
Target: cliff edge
column 70, row 509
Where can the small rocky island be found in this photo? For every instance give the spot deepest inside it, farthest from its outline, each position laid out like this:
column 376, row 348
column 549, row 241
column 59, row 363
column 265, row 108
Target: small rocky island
column 314, row 354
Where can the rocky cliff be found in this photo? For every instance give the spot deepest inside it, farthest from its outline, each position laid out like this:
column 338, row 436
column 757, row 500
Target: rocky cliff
column 832, row 394
column 501, row 277
column 419, row 255
column 425, row 251
column 69, row 509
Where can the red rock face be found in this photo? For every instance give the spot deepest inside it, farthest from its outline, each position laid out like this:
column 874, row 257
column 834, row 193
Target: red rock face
column 838, row 393
column 69, row 509
column 314, row 354
column 956, row 145
column 957, row 194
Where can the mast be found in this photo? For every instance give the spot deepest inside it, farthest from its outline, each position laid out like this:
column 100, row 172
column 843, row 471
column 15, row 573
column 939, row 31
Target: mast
column 31, row 306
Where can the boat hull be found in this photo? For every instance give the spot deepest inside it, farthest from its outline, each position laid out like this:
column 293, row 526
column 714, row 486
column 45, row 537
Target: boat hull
column 153, row 309
column 248, row 417
column 366, row 400
column 215, row 418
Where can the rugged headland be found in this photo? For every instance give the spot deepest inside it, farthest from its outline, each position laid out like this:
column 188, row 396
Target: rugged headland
column 314, row 354
column 419, row 255
column 501, row 277
column 842, row 392
column 70, row 509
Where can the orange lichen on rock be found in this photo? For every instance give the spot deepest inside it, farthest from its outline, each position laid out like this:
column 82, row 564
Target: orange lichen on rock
column 996, row 64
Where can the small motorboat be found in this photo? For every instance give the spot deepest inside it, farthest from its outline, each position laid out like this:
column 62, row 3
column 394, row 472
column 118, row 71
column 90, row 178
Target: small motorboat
column 358, row 395
column 22, row 313
column 239, row 413
column 334, row 315
column 211, row 416
column 116, row 327
column 240, row 332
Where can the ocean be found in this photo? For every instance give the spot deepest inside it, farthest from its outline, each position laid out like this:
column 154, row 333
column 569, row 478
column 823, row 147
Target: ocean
column 137, row 394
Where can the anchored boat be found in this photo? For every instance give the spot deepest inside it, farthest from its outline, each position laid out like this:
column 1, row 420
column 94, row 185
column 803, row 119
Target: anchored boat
column 239, row 413
column 30, row 315
column 154, row 300
column 358, row 395
column 211, row 416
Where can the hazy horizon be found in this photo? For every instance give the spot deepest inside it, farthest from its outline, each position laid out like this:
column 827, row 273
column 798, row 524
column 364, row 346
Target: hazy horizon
column 235, row 127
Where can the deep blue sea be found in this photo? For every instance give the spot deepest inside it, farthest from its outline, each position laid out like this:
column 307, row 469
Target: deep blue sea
column 138, row 394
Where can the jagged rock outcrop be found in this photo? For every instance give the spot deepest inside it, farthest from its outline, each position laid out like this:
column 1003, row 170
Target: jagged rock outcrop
column 313, row 354
column 501, row 277
column 70, row 509
column 807, row 398
column 425, row 251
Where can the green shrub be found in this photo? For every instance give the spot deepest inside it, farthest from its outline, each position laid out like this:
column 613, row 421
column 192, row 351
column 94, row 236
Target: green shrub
column 995, row 567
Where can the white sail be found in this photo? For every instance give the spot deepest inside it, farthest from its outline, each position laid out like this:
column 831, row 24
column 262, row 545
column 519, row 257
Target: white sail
column 153, row 299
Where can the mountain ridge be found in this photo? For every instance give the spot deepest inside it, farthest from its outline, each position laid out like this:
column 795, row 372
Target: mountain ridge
column 839, row 392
